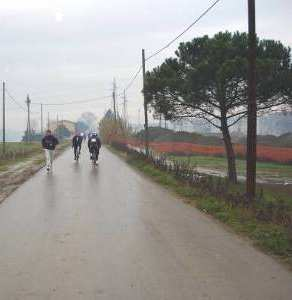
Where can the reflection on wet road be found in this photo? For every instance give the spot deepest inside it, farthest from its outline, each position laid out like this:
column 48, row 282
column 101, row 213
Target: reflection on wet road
column 109, row 233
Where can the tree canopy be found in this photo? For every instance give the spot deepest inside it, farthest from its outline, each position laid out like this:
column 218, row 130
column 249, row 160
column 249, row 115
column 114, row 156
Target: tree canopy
column 208, row 80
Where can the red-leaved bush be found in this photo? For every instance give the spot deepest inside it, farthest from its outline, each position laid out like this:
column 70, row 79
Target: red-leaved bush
column 264, row 153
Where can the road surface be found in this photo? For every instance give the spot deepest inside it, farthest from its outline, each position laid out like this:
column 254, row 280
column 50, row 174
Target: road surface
column 110, row 233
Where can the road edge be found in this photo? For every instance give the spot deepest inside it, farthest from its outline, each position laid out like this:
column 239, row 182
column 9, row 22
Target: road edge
column 32, row 166
column 185, row 194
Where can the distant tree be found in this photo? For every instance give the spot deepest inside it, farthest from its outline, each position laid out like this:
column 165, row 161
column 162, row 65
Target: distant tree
column 62, row 132
column 81, row 126
column 111, row 129
column 208, row 80
column 33, row 137
column 90, row 119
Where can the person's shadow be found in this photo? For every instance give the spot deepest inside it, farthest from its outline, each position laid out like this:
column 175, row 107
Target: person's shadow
column 76, row 166
column 94, row 173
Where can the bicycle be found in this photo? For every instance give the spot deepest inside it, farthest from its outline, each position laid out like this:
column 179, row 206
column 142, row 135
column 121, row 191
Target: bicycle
column 94, row 156
column 77, row 152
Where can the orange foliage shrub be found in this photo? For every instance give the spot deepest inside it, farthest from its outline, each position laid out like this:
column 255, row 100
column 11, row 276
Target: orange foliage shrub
column 264, row 153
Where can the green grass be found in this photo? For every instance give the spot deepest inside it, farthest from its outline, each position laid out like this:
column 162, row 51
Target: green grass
column 275, row 239
column 16, row 152
column 220, row 164
column 18, row 149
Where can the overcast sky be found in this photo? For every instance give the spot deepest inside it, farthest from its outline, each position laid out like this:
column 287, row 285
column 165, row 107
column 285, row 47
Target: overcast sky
column 67, row 50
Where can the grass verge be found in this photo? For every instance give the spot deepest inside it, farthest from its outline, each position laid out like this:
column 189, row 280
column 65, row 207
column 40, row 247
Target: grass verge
column 17, row 152
column 26, row 162
column 274, row 239
column 219, row 163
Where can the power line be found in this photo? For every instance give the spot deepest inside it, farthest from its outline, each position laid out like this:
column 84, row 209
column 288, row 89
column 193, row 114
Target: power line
column 135, row 75
column 13, row 99
column 74, row 102
column 18, row 104
column 63, row 92
column 183, row 32
column 133, row 78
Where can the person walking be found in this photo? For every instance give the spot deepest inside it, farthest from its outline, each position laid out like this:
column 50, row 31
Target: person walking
column 49, row 143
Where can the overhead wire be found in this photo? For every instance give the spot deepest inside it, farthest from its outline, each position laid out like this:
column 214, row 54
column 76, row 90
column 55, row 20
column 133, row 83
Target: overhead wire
column 74, row 102
column 133, row 78
column 205, row 12
column 184, row 31
column 18, row 104
column 13, row 99
column 135, row 75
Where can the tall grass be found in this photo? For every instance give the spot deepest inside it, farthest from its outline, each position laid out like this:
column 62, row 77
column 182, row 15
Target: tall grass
column 18, row 150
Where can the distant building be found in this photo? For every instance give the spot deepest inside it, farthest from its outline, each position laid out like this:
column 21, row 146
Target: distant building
column 66, row 123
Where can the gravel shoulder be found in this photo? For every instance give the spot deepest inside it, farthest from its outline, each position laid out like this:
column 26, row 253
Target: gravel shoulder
column 17, row 173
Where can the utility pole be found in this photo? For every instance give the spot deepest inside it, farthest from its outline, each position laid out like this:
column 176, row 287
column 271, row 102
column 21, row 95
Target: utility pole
column 146, row 136
column 251, row 155
column 4, row 122
column 62, row 122
column 48, row 120
column 57, row 128
column 42, row 120
column 114, row 99
column 139, row 119
column 125, row 106
column 28, row 101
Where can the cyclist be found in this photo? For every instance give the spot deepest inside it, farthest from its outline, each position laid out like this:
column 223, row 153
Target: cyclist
column 94, row 144
column 76, row 144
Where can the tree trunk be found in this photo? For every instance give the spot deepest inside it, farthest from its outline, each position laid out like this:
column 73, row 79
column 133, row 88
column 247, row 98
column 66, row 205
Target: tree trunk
column 232, row 175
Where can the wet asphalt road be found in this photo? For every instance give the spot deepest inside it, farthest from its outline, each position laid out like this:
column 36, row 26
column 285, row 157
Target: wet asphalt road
column 109, row 233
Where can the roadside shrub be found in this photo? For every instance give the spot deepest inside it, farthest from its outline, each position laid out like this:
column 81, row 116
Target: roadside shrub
column 18, row 150
column 273, row 238
column 274, row 211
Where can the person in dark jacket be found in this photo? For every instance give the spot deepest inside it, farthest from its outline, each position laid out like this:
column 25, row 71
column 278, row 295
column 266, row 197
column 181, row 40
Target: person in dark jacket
column 76, row 144
column 49, row 143
column 94, row 144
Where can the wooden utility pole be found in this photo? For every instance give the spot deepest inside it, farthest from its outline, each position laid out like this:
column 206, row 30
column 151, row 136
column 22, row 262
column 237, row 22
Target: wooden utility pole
column 48, row 120
column 251, row 156
column 42, row 120
column 114, row 99
column 146, row 135
column 4, row 121
column 125, row 106
column 139, row 119
column 57, row 128
column 28, row 101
